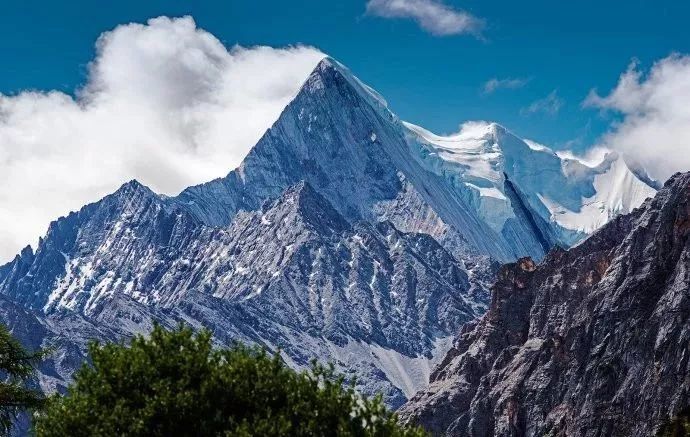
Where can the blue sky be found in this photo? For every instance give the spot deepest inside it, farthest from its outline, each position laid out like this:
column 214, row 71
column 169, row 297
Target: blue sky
column 436, row 81
column 179, row 101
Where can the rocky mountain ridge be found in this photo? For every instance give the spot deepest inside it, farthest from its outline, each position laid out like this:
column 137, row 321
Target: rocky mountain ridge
column 592, row 341
column 294, row 268
column 483, row 191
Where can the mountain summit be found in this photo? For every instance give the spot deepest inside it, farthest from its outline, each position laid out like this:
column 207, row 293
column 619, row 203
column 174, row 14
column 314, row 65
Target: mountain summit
column 482, row 191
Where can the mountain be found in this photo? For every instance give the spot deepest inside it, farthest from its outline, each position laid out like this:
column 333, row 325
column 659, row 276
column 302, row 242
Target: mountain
column 592, row 341
column 293, row 275
column 560, row 197
column 345, row 235
column 483, row 191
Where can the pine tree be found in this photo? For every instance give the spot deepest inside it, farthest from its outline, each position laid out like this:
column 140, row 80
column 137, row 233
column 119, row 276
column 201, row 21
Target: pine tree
column 17, row 365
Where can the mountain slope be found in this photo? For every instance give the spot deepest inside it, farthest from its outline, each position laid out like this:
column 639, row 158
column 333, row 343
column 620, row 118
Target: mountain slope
column 593, row 341
column 341, row 139
column 294, row 274
column 567, row 197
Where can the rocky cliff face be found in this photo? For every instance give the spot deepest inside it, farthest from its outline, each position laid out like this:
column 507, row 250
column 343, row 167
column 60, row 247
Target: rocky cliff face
column 593, row 341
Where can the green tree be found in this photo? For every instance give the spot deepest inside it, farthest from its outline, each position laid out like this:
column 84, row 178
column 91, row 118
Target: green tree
column 16, row 366
column 176, row 383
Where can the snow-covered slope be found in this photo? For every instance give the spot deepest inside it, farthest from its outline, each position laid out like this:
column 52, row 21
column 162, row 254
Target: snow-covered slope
column 574, row 197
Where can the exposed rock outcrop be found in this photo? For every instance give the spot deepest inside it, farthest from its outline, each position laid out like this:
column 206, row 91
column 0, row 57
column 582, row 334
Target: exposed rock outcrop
column 593, row 341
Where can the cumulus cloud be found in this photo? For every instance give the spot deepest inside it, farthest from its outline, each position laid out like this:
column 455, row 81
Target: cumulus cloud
column 433, row 16
column 164, row 102
column 549, row 105
column 495, row 84
column 654, row 129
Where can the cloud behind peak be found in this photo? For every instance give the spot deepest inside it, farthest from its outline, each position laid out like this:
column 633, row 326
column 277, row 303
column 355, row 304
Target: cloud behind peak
column 654, row 126
column 164, row 102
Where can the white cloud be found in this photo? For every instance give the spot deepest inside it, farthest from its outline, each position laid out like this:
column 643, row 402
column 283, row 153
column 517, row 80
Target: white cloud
column 496, row 84
column 165, row 103
column 655, row 127
column 433, row 16
column 549, row 105
column 590, row 157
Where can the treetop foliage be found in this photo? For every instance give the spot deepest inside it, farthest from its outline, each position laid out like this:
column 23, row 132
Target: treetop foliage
column 16, row 367
column 177, row 383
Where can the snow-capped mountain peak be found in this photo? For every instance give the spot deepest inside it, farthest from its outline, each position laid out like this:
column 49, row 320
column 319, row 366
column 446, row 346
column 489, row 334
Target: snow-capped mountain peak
column 573, row 195
column 329, row 67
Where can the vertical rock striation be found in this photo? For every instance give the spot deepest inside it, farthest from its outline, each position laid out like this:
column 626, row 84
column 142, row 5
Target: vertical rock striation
column 593, row 341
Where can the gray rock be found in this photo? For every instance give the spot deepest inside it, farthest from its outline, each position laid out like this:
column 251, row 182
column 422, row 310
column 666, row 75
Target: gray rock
column 294, row 275
column 593, row 341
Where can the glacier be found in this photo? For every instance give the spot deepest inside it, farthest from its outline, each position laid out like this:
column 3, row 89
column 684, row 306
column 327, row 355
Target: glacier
column 572, row 196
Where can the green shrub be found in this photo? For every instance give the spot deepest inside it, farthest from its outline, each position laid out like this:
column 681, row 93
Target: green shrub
column 174, row 383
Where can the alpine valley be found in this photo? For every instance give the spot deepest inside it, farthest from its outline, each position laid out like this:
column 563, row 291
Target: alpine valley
column 346, row 236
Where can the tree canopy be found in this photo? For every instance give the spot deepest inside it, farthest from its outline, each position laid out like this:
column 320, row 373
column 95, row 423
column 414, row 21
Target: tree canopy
column 16, row 367
column 176, row 383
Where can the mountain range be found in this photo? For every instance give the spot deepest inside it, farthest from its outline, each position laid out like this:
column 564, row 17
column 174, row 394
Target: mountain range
column 346, row 235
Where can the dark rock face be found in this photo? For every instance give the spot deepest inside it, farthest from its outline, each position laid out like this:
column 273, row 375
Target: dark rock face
column 593, row 341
